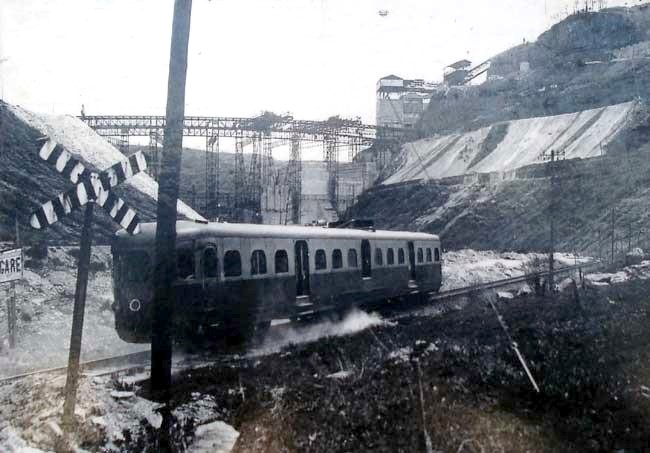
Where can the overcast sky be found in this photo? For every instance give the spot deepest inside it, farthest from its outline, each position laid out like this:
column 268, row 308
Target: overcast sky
column 313, row 58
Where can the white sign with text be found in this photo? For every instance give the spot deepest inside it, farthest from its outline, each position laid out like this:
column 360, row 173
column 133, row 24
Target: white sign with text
column 11, row 265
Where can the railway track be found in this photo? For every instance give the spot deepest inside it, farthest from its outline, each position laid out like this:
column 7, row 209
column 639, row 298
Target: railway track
column 139, row 361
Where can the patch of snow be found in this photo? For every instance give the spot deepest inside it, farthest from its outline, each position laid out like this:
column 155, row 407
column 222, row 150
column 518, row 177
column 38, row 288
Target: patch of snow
column 525, row 290
column 118, row 395
column 565, row 284
column 45, row 301
column 505, row 295
column 401, row 354
column 11, row 442
column 84, row 143
column 343, row 374
column 215, row 437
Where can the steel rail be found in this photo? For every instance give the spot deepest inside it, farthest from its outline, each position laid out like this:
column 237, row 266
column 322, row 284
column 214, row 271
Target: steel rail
column 508, row 281
column 85, row 366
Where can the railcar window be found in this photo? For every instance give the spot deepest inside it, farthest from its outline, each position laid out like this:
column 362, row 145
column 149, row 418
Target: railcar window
column 281, row 262
column 258, row 262
column 185, row 263
column 400, row 256
column 352, row 258
column 321, row 259
column 337, row 259
column 210, row 263
column 390, row 257
column 428, row 255
column 420, row 255
column 136, row 266
column 379, row 257
column 232, row 264
column 436, row 253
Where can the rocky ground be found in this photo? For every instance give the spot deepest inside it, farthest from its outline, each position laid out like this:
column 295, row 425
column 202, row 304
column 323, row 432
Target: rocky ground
column 44, row 302
column 443, row 379
column 452, row 382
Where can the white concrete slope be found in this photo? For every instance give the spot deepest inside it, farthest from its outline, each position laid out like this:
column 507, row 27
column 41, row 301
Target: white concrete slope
column 92, row 149
column 579, row 135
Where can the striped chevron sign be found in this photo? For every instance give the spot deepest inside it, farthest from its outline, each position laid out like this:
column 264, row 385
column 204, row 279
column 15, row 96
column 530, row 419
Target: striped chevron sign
column 89, row 186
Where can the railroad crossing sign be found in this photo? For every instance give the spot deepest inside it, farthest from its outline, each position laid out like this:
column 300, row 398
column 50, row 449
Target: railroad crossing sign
column 90, row 188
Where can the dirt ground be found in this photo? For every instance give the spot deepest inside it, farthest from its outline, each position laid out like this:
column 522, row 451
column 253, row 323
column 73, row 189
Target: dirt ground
column 451, row 383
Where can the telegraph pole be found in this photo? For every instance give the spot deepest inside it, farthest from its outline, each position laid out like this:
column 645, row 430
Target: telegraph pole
column 165, row 264
column 552, row 168
column 613, row 235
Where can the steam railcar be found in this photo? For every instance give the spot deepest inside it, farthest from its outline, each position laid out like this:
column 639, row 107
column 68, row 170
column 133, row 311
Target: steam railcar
column 239, row 276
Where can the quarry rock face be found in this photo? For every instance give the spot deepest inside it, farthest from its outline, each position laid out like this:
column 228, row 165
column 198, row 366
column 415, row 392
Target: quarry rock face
column 587, row 61
column 479, row 175
column 592, row 34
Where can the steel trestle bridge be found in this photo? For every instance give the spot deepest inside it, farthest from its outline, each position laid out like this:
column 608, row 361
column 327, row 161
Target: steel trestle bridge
column 284, row 127
column 264, row 132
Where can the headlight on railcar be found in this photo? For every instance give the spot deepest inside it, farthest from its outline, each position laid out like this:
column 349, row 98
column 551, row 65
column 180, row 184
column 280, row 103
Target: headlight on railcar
column 135, row 305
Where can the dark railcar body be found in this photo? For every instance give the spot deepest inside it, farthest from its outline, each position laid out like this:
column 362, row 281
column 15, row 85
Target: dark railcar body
column 242, row 275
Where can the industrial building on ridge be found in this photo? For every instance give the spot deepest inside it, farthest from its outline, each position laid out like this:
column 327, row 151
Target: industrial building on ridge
column 400, row 102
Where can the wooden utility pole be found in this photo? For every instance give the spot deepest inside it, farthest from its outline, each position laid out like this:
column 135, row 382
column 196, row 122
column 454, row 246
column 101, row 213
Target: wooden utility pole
column 552, row 158
column 613, row 235
column 78, row 317
column 11, row 301
column 165, row 269
column 629, row 237
column 90, row 188
column 600, row 247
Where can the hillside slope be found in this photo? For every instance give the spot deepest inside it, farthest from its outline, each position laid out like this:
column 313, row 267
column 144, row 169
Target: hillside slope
column 512, row 144
column 26, row 181
column 597, row 199
column 587, row 61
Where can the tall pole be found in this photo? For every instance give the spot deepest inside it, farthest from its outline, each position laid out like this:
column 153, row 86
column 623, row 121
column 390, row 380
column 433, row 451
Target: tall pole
column 78, row 318
column 613, row 235
column 165, row 264
column 629, row 237
column 11, row 318
column 551, row 252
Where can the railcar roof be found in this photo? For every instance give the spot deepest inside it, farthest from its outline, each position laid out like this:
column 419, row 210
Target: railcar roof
column 195, row 230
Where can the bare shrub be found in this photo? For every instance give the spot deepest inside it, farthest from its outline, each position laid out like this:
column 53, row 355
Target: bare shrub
column 534, row 268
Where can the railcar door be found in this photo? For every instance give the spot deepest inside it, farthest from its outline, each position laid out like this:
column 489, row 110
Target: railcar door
column 302, row 269
column 366, row 263
column 412, row 260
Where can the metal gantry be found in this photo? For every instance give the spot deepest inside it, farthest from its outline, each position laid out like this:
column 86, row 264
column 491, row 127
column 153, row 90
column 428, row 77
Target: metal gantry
column 331, row 156
column 276, row 126
column 294, row 180
column 264, row 132
column 212, row 177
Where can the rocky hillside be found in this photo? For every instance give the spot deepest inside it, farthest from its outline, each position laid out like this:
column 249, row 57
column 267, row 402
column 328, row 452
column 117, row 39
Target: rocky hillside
column 515, row 214
column 26, row 181
column 588, row 60
column 478, row 178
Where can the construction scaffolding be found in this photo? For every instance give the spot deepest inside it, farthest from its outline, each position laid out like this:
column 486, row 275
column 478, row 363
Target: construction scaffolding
column 257, row 178
column 331, row 156
column 294, row 180
column 211, row 211
column 154, row 157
